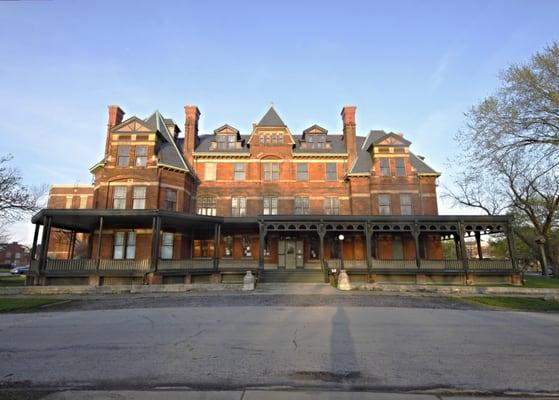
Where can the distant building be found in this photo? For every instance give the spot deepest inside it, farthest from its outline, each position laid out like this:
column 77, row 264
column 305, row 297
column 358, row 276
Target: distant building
column 165, row 208
column 14, row 254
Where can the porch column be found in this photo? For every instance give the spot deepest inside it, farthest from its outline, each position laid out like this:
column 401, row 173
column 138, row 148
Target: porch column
column 368, row 236
column 262, row 229
column 463, row 252
column 71, row 245
column 34, row 247
column 155, row 237
column 44, row 243
column 416, row 234
column 217, row 236
column 99, row 242
column 512, row 249
column 478, row 242
column 321, row 230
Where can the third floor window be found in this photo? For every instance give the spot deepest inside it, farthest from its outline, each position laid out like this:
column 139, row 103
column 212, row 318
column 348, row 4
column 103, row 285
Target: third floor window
column 141, row 156
column 123, row 156
column 331, row 172
column 384, row 167
column 400, row 167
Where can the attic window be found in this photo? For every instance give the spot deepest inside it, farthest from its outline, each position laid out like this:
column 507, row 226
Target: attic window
column 225, row 142
column 316, row 141
column 271, row 139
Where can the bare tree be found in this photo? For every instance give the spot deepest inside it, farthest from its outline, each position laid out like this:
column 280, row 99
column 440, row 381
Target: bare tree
column 509, row 160
column 16, row 199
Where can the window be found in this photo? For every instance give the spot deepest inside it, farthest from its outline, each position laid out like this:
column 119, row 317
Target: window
column 139, row 198
column 228, row 246
column 270, row 205
column 207, row 205
column 331, row 172
column 231, row 142
column 302, row 172
column 384, row 204
column 384, row 167
column 171, row 200
column 271, row 171
column 209, row 171
column 238, row 206
column 239, row 174
column 271, row 139
column 247, row 247
column 141, row 156
column 314, row 249
column 316, row 141
column 124, row 245
column 221, row 142
column 167, row 246
column 302, row 205
column 405, row 204
column 18, row 256
column 204, row 248
column 400, row 167
column 331, row 206
column 123, row 156
column 119, row 197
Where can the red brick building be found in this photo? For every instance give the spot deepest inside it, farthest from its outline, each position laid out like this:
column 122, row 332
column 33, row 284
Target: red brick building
column 14, row 254
column 166, row 207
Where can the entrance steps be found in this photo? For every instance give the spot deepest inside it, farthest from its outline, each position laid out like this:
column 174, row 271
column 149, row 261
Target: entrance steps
column 291, row 275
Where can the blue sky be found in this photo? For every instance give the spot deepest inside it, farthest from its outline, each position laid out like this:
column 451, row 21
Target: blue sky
column 409, row 66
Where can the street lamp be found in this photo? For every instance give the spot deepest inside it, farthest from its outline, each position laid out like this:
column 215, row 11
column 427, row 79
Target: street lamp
column 341, row 238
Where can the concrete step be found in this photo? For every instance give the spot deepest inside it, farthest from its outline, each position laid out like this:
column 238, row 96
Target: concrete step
column 292, row 275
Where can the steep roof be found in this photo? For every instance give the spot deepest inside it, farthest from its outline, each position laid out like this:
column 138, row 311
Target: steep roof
column 271, row 118
column 168, row 153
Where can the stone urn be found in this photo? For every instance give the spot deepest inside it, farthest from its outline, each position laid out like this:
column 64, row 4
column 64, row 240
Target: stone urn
column 343, row 281
column 248, row 282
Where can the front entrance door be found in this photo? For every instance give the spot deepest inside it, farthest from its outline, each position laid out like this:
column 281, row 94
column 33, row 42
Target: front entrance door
column 290, row 253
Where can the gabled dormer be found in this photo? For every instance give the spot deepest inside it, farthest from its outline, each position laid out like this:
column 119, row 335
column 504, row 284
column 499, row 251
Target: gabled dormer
column 271, row 131
column 226, row 137
column 314, row 138
column 390, row 143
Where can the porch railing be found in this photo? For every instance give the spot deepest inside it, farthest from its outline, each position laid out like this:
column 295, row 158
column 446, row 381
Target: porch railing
column 79, row 265
column 175, row 265
column 225, row 263
column 393, row 264
column 490, row 265
column 443, row 265
column 124, row 265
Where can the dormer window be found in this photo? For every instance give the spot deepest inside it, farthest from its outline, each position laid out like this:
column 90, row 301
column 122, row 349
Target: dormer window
column 225, row 142
column 316, row 141
column 271, row 139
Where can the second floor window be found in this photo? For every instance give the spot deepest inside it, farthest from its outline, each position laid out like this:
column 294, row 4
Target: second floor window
column 384, row 204
column 331, row 206
column 331, row 172
column 302, row 172
column 124, row 245
column 405, row 204
column 238, row 206
column 384, row 167
column 207, row 205
column 139, row 197
column 271, row 171
column 171, row 200
column 209, row 171
column 302, row 205
column 167, row 246
column 400, row 167
column 123, row 156
column 141, row 156
column 119, row 197
column 239, row 174
column 270, row 205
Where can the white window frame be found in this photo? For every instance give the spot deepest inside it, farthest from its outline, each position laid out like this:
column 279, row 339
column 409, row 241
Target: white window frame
column 139, row 194
column 141, row 159
column 384, row 206
column 119, row 197
column 238, row 206
column 167, row 240
column 270, row 205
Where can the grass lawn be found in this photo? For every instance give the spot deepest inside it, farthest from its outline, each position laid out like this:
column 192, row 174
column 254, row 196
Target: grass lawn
column 540, row 282
column 514, row 303
column 15, row 280
column 10, row 304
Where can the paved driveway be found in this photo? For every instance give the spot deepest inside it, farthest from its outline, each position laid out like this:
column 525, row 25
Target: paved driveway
column 317, row 346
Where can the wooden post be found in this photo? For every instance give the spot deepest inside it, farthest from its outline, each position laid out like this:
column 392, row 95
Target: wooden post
column 217, row 237
column 512, row 250
column 368, row 236
column 99, row 242
column 44, row 244
column 155, row 235
column 416, row 234
column 261, row 244
column 34, row 247
column 463, row 252
column 478, row 242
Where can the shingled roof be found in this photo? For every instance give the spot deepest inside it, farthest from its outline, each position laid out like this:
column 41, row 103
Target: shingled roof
column 169, row 153
column 271, row 118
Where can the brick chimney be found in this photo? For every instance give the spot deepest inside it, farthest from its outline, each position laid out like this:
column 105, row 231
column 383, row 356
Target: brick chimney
column 192, row 115
column 115, row 117
column 349, row 136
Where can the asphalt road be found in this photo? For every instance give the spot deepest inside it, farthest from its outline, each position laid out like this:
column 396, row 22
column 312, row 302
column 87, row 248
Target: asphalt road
column 381, row 348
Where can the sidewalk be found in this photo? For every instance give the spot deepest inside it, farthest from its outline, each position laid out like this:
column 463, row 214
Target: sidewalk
column 263, row 394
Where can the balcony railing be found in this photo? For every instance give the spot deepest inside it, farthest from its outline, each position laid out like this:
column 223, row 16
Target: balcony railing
column 178, row 265
column 443, row 265
column 80, row 265
column 490, row 265
column 225, row 263
column 393, row 264
column 124, row 265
